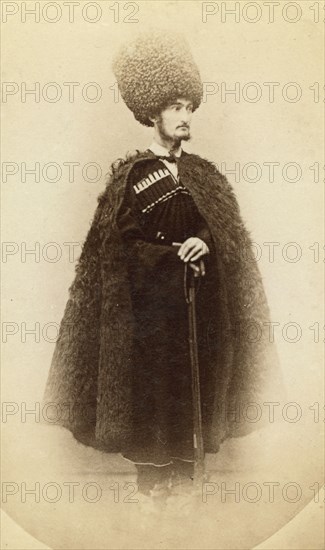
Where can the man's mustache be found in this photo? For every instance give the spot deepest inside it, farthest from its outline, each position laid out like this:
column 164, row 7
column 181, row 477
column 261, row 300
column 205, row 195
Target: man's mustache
column 184, row 126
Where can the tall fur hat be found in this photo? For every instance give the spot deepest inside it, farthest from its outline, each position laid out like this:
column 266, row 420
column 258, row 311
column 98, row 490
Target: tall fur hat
column 155, row 69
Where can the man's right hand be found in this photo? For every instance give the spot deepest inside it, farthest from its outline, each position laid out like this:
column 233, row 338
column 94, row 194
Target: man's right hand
column 198, row 268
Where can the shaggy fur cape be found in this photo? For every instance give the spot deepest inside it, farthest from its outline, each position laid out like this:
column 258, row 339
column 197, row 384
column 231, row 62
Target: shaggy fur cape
column 90, row 380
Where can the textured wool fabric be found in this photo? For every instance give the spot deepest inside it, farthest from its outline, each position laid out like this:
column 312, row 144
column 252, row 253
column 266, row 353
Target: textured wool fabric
column 154, row 70
column 90, row 375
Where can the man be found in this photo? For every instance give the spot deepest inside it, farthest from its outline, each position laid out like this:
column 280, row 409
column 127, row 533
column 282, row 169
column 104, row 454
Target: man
column 122, row 360
column 157, row 208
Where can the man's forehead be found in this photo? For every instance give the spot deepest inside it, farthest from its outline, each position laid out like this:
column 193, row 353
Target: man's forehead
column 180, row 101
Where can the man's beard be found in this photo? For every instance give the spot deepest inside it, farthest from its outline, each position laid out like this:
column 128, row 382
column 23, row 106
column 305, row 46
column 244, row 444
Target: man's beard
column 177, row 139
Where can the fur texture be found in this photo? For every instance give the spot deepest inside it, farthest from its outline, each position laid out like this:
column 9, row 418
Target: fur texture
column 155, row 69
column 90, row 372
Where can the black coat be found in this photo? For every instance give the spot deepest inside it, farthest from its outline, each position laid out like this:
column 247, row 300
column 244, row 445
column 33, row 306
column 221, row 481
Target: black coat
column 91, row 379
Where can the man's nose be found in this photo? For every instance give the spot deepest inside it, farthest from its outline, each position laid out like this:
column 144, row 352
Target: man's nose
column 186, row 116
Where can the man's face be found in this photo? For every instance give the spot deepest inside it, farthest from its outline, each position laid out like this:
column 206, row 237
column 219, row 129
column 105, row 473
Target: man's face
column 174, row 121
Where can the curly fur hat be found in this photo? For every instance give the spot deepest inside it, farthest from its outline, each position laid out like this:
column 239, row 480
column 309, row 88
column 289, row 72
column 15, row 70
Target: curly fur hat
column 155, row 69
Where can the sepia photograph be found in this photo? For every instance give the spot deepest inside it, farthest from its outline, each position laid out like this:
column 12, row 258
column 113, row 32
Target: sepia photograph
column 162, row 275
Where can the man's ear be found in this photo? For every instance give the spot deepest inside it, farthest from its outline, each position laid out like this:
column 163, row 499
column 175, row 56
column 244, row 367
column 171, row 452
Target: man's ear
column 153, row 119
